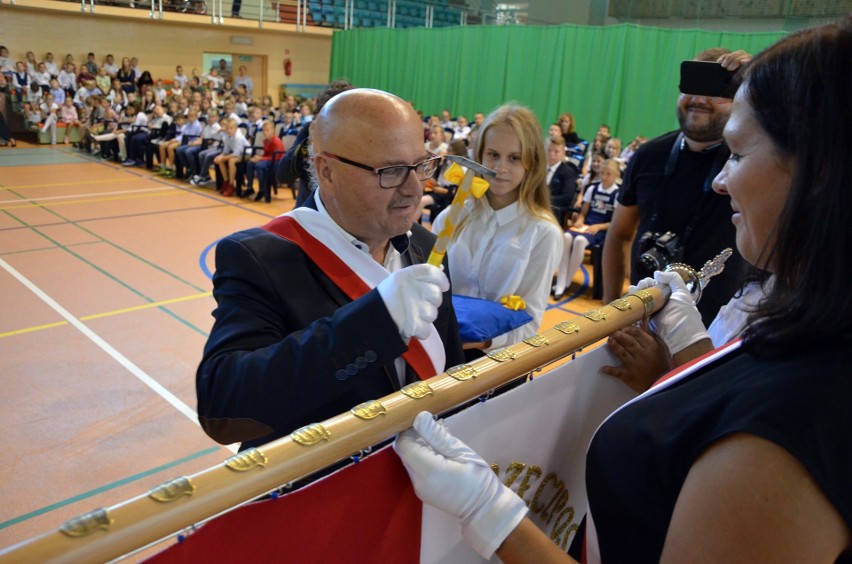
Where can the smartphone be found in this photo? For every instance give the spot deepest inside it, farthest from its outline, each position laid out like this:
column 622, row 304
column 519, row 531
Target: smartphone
column 706, row 78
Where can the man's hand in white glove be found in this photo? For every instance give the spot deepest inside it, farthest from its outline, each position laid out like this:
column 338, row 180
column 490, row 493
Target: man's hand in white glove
column 449, row 475
column 678, row 324
column 412, row 296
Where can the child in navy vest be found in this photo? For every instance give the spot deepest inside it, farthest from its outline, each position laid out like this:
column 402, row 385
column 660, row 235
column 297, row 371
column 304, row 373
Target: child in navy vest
column 591, row 225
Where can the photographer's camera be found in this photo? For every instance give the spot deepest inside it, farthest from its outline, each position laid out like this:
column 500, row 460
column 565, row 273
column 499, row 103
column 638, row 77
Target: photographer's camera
column 657, row 251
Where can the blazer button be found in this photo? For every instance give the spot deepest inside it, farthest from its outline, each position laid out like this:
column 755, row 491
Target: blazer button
column 341, row 375
column 351, row 369
column 360, row 362
column 370, row 356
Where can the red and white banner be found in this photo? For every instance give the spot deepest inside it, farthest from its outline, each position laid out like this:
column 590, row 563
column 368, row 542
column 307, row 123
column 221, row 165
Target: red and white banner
column 534, row 435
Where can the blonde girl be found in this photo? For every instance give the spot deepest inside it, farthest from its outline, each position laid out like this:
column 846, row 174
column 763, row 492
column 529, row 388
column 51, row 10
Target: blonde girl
column 508, row 242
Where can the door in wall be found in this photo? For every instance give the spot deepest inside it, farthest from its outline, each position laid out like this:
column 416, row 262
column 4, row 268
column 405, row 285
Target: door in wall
column 256, row 69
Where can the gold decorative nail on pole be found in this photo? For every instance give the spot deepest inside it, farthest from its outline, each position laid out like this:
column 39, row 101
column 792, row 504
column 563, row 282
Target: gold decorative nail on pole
column 86, row 523
column 247, row 460
column 172, row 490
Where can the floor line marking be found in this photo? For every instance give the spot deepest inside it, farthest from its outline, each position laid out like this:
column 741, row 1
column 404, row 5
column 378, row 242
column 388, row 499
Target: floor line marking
column 106, row 314
column 106, row 487
column 99, row 194
column 582, row 290
column 73, row 202
column 80, row 222
column 33, row 329
column 80, row 183
column 145, row 306
column 106, row 347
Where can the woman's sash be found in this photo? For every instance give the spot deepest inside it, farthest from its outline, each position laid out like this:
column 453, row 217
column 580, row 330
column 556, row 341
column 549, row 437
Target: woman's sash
column 591, row 549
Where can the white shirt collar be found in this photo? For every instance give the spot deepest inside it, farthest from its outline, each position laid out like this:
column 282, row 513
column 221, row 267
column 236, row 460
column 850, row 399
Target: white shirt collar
column 505, row 215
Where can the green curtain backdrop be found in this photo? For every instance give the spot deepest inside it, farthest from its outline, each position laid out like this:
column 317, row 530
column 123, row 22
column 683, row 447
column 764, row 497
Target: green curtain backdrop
column 624, row 75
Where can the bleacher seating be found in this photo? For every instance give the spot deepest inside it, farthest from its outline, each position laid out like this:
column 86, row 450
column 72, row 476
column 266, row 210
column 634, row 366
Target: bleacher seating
column 374, row 13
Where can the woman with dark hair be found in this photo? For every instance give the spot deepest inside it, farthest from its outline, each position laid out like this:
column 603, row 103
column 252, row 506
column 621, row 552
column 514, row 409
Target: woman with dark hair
column 746, row 455
column 145, row 81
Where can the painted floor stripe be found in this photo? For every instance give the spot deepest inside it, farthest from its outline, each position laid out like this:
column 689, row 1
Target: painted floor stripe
column 63, row 184
column 579, row 292
column 76, row 202
column 69, row 196
column 158, row 388
column 146, row 306
column 105, row 488
column 107, row 314
column 33, row 329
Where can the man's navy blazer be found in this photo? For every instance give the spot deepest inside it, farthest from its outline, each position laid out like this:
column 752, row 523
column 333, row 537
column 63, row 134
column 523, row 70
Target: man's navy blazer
column 288, row 348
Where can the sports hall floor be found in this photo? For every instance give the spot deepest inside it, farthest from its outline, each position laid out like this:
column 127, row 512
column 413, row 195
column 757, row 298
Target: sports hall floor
column 105, row 279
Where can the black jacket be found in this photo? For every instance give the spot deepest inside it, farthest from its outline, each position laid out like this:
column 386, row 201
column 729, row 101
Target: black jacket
column 289, row 348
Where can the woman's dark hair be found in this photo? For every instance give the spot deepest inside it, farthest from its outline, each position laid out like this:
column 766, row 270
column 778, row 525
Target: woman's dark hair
column 800, row 90
column 145, row 78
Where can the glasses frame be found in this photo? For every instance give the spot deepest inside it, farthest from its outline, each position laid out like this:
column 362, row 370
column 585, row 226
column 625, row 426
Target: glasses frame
column 379, row 171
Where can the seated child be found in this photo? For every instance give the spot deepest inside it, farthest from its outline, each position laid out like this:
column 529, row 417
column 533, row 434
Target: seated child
column 590, row 226
column 167, row 148
column 70, row 117
column 263, row 164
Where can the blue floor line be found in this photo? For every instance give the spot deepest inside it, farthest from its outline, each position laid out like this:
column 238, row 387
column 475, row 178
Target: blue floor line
column 580, row 291
column 105, row 488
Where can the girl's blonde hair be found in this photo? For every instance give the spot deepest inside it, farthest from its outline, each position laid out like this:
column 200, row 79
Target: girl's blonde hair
column 614, row 141
column 533, row 195
column 613, row 165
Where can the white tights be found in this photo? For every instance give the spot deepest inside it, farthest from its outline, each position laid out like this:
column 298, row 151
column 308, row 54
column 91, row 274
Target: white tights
column 573, row 251
column 50, row 123
column 122, row 148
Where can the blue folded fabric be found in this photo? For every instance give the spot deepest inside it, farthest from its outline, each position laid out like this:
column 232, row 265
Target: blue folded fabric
column 480, row 320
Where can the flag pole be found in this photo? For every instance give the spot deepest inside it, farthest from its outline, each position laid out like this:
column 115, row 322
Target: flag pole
column 109, row 533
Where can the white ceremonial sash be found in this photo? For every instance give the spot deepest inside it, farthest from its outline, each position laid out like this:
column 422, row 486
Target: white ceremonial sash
column 368, row 270
column 593, row 554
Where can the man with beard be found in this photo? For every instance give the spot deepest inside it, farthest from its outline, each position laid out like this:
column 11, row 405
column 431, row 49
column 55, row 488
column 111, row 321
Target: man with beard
column 329, row 305
column 667, row 188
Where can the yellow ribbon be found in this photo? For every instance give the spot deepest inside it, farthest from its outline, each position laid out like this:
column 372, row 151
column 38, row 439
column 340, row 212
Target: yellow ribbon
column 513, row 302
column 469, row 185
column 455, row 174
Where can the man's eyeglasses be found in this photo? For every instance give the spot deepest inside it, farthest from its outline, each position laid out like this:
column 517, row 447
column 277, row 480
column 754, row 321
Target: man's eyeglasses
column 395, row 175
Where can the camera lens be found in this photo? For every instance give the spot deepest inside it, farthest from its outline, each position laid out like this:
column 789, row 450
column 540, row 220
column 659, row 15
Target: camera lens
column 651, row 262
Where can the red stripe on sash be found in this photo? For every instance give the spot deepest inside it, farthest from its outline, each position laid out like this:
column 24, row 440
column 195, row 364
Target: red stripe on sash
column 691, row 363
column 344, row 278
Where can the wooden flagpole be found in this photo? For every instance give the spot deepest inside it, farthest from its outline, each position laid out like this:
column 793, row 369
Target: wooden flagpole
column 109, row 533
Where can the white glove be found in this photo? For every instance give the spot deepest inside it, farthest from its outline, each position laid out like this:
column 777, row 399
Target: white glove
column 678, row 324
column 412, row 296
column 449, row 475
column 644, row 283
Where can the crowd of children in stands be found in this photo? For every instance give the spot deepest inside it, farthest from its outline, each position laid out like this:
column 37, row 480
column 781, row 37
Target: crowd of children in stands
column 185, row 124
column 184, row 127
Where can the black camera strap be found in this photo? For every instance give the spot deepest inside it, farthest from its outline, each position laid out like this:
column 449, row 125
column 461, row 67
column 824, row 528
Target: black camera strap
column 707, row 190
